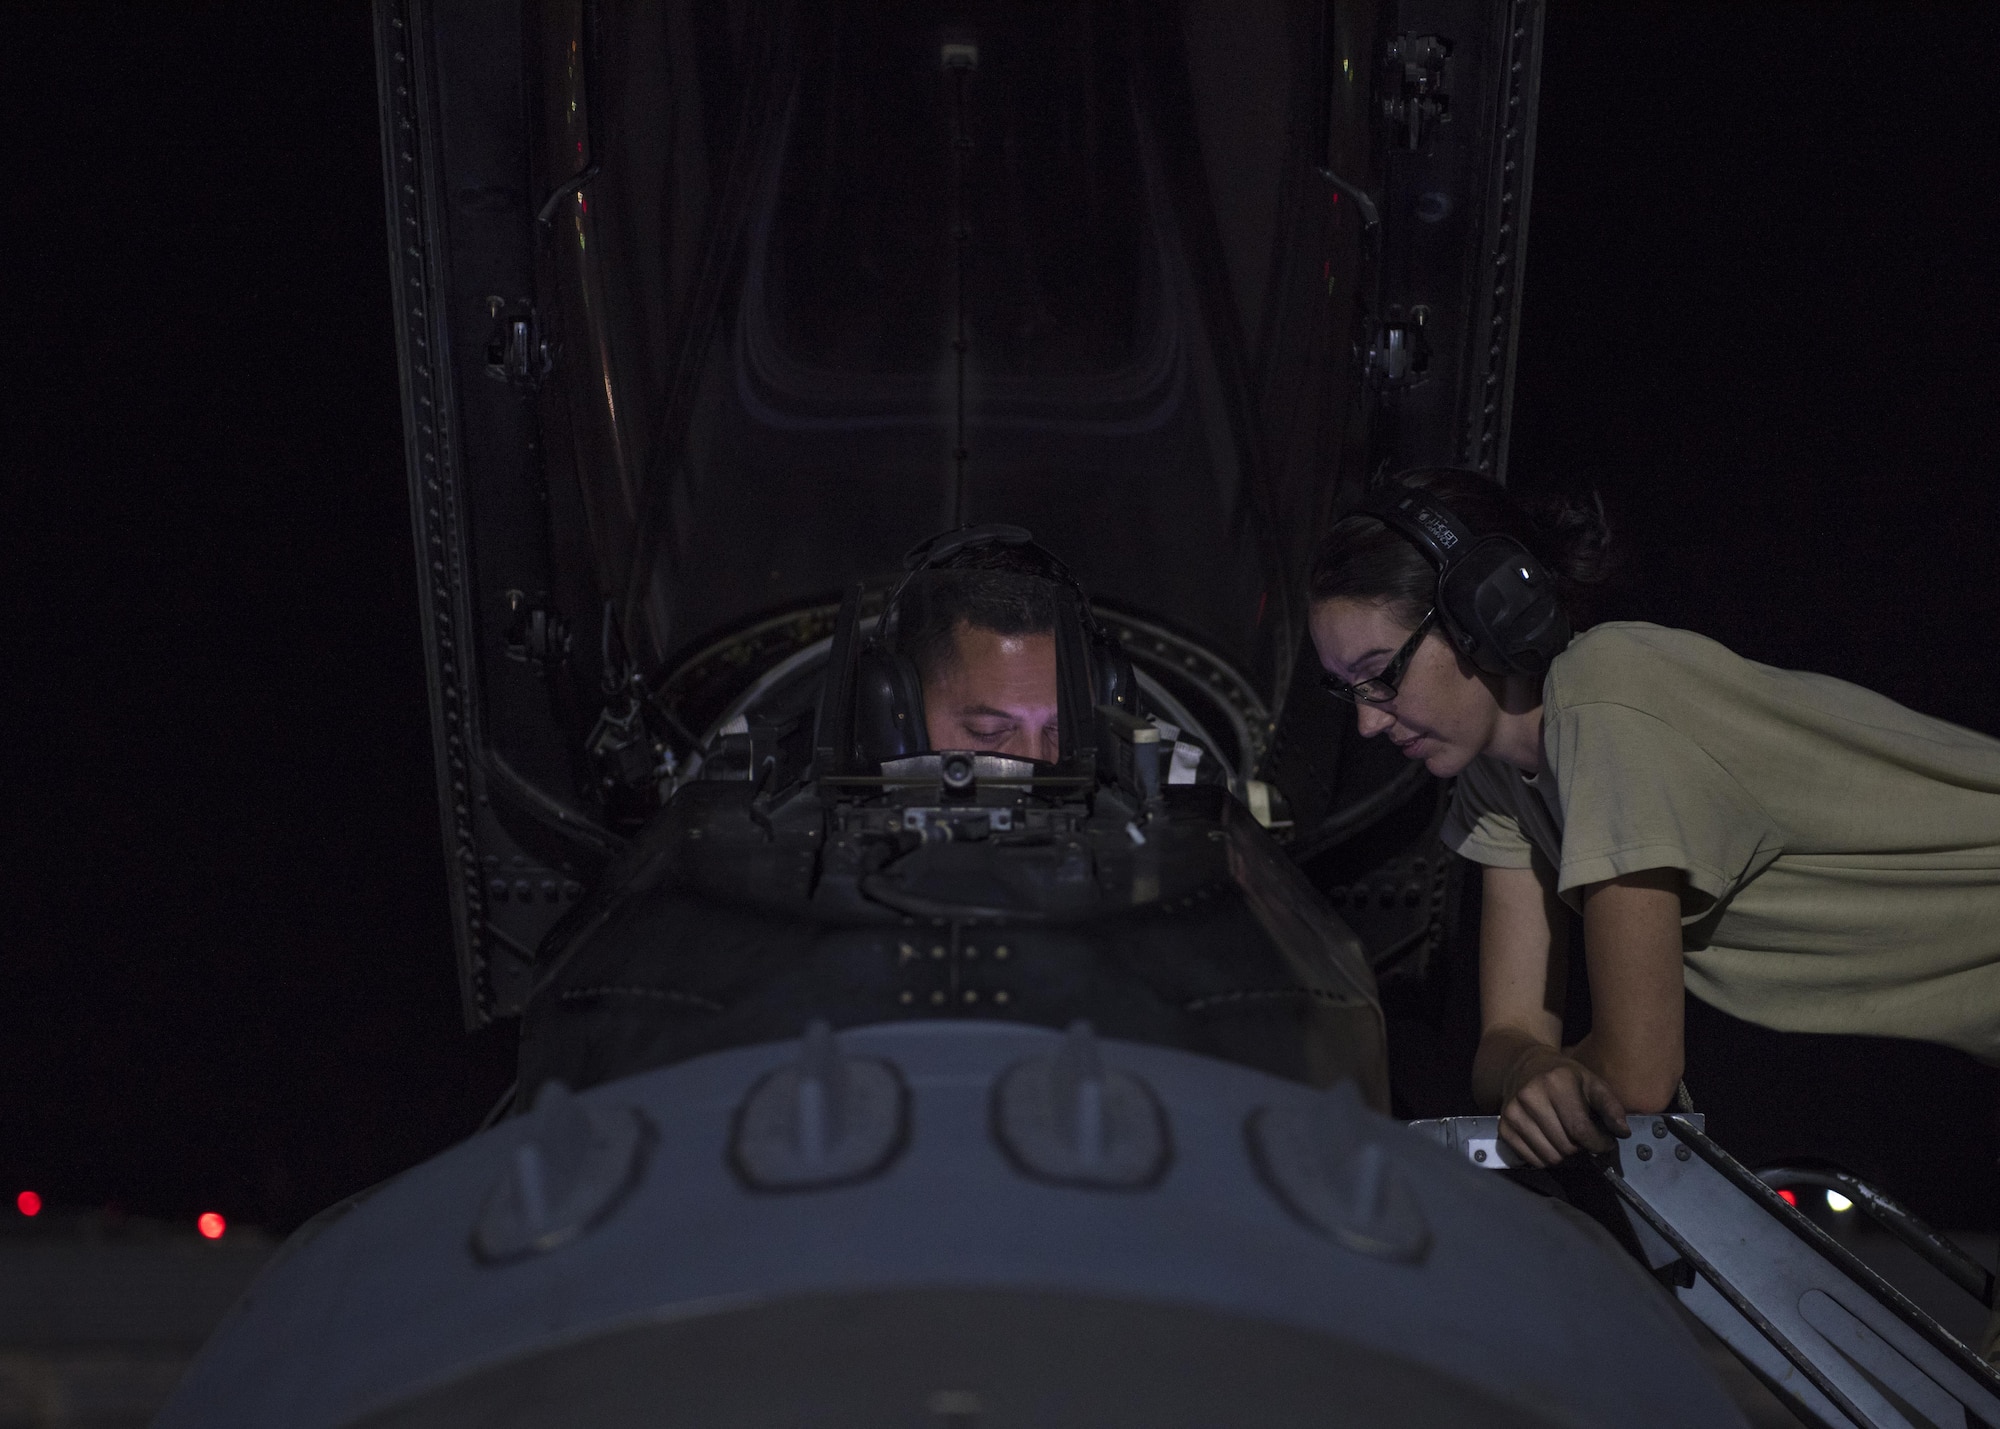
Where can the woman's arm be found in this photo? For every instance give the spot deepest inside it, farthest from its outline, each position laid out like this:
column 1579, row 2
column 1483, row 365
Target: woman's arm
column 1632, row 946
column 1549, row 1104
column 1523, row 958
column 1553, row 1104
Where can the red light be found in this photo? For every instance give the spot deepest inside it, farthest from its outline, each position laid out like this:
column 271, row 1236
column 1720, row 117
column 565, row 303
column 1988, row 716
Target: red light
column 211, row 1225
column 1790, row 1198
column 28, row 1203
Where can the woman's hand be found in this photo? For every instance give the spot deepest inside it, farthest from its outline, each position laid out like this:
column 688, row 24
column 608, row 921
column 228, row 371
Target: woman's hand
column 1555, row 1106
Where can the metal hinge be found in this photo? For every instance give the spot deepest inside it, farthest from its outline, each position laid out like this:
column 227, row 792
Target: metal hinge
column 1414, row 98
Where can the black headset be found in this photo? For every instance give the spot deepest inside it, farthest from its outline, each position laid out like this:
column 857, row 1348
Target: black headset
column 1495, row 599
column 888, row 691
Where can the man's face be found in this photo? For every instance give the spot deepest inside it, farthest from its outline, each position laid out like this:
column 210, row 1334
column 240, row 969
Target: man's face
column 996, row 695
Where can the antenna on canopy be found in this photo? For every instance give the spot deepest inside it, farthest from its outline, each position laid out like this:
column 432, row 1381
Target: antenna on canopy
column 958, row 56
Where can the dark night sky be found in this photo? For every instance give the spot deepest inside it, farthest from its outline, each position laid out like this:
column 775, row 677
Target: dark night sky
column 1761, row 306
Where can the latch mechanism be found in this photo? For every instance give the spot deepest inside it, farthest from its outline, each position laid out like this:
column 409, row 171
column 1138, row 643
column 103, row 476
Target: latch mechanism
column 629, row 760
column 1413, row 92
column 633, row 762
column 517, row 351
column 536, row 634
column 1398, row 355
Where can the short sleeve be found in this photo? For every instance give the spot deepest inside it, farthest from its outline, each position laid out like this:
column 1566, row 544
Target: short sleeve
column 1480, row 826
column 1637, row 794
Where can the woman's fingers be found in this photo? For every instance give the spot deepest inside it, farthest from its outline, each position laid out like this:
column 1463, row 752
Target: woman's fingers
column 1574, row 1095
column 1568, row 1109
column 1609, row 1109
column 1519, row 1131
column 1565, row 1108
column 1537, row 1106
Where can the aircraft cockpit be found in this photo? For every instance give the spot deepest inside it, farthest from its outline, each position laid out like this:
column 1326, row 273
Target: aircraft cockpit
column 964, row 800
column 718, row 319
column 754, row 692
column 986, row 646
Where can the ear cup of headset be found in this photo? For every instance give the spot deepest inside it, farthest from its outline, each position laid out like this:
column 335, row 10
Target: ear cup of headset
column 1111, row 671
column 888, row 707
column 1503, row 608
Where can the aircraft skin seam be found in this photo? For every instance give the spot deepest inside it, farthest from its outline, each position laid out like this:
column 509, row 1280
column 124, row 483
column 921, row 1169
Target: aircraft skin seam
column 664, row 994
column 1253, row 994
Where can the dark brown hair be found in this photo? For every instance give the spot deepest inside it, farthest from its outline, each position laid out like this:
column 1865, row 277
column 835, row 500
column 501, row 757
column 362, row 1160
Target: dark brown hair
column 994, row 588
column 1362, row 559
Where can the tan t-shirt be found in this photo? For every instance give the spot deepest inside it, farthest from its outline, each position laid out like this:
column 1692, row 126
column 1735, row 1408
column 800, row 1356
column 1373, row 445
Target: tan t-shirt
column 1842, row 853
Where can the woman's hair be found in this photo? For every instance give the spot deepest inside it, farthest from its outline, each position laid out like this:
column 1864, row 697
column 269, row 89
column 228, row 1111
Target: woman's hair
column 1361, row 558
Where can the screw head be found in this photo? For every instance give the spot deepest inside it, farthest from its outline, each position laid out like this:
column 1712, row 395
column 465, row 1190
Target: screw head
column 1479, row 1155
column 1645, row 1152
column 1681, row 1153
column 1659, row 1127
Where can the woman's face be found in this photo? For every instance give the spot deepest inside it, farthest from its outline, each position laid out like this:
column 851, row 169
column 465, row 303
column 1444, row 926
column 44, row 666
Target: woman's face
column 1444, row 712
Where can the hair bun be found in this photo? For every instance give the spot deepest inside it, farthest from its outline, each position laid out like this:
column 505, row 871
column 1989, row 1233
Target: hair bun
column 1574, row 535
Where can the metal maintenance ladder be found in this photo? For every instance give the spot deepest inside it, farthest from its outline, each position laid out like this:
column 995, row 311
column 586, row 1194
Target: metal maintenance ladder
column 1835, row 1341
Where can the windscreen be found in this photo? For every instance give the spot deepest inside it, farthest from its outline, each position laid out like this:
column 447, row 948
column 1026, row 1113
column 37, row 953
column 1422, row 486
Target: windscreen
column 835, row 277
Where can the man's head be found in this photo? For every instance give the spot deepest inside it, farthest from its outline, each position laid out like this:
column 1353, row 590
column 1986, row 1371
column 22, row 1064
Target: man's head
column 981, row 633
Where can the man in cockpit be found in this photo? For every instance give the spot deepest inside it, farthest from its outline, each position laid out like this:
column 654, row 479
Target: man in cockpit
column 980, row 631
column 981, row 634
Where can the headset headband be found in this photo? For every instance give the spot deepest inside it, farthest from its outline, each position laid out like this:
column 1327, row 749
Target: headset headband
column 937, row 552
column 1431, row 528
column 1495, row 599
column 942, row 547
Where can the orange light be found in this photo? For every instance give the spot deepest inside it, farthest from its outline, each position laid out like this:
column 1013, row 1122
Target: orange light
column 1789, row 1197
column 211, row 1225
column 28, row 1203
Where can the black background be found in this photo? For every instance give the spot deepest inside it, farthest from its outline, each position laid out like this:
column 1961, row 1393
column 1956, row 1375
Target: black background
column 1760, row 316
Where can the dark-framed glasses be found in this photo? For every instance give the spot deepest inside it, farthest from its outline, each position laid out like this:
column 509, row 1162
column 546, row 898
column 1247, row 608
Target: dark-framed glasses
column 1380, row 689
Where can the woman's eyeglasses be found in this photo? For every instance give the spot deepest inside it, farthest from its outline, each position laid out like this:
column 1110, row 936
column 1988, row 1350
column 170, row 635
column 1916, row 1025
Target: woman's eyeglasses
column 1380, row 689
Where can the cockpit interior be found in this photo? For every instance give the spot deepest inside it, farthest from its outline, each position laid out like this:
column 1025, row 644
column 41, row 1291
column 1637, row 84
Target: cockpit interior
column 884, row 442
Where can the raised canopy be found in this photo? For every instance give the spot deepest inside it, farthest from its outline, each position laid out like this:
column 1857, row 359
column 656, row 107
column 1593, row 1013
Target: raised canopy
column 710, row 309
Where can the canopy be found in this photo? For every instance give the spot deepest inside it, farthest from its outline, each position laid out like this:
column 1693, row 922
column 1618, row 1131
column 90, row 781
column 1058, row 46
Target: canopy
column 708, row 310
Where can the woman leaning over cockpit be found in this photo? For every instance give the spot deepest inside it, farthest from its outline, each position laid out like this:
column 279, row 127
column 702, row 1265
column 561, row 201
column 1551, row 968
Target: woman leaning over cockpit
column 1798, row 851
